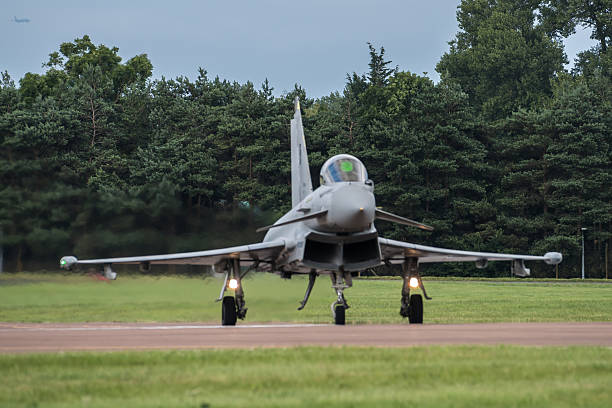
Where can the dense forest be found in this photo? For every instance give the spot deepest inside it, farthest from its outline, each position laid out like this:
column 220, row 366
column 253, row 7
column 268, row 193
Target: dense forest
column 507, row 152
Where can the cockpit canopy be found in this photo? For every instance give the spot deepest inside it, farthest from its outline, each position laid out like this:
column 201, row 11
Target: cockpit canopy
column 343, row 168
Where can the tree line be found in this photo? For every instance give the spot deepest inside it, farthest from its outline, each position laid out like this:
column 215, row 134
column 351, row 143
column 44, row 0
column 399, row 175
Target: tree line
column 507, row 152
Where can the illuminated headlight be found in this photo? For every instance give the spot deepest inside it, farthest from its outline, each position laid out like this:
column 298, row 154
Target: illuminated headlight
column 233, row 284
column 414, row 283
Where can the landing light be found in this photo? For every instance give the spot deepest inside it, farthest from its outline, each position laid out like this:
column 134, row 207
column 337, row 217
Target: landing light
column 414, row 283
column 233, row 284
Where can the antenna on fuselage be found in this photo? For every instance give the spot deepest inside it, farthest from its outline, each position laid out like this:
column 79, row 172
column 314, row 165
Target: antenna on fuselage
column 301, row 183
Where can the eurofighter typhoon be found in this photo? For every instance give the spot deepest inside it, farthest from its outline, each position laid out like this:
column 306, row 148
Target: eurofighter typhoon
column 328, row 231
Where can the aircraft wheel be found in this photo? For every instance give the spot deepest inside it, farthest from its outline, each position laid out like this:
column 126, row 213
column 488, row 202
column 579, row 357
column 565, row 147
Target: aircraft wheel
column 228, row 311
column 415, row 310
column 339, row 314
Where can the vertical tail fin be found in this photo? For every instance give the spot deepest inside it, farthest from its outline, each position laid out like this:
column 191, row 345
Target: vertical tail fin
column 301, row 184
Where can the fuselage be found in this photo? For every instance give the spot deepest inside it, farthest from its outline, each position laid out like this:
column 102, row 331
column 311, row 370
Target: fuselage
column 344, row 237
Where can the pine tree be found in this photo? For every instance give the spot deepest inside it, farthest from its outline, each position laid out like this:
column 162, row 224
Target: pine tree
column 502, row 57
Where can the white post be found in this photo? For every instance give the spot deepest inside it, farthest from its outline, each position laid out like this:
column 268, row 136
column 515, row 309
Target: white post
column 582, row 230
column 1, row 251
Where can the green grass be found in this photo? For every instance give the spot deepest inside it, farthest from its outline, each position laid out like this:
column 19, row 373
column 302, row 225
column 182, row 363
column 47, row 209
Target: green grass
column 132, row 298
column 437, row 376
column 500, row 376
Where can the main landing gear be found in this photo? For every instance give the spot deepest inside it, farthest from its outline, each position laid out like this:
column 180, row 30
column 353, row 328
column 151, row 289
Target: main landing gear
column 232, row 307
column 412, row 305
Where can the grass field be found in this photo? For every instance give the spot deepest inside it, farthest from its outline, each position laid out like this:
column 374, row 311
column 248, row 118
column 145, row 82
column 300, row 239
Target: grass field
column 78, row 298
column 436, row 376
column 500, row 376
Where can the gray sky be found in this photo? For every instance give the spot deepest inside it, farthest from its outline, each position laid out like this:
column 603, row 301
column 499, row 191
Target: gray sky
column 314, row 43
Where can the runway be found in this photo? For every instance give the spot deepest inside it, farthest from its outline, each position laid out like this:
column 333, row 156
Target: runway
column 26, row 337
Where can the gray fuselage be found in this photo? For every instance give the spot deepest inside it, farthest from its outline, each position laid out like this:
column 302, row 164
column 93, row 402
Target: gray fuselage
column 344, row 238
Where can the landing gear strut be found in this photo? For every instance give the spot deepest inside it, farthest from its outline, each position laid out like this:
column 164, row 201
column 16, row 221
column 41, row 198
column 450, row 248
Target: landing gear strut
column 234, row 307
column 340, row 281
column 412, row 305
column 312, row 276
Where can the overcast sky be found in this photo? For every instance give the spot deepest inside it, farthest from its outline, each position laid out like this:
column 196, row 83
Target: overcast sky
column 314, row 43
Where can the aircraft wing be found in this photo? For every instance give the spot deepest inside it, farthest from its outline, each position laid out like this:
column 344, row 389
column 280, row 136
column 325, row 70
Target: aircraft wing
column 248, row 254
column 392, row 250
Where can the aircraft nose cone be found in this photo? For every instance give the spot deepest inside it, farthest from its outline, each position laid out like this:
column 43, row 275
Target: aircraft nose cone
column 352, row 208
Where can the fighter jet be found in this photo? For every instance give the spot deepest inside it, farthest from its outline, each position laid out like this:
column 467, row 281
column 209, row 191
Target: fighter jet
column 20, row 20
column 328, row 231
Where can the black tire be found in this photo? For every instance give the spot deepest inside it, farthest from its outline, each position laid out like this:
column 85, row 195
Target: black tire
column 228, row 311
column 340, row 315
column 415, row 310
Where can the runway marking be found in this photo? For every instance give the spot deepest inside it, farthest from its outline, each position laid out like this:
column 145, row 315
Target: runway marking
column 110, row 328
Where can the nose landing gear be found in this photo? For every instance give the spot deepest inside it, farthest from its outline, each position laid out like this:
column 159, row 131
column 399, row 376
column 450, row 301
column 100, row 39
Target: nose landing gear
column 340, row 280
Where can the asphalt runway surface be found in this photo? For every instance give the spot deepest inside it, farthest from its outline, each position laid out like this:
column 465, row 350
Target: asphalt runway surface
column 46, row 337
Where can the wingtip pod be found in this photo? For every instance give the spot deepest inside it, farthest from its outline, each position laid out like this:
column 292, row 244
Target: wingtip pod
column 67, row 262
column 553, row 258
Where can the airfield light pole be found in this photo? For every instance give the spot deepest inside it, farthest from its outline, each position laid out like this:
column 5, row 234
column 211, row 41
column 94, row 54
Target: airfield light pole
column 606, row 260
column 1, row 250
column 582, row 233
